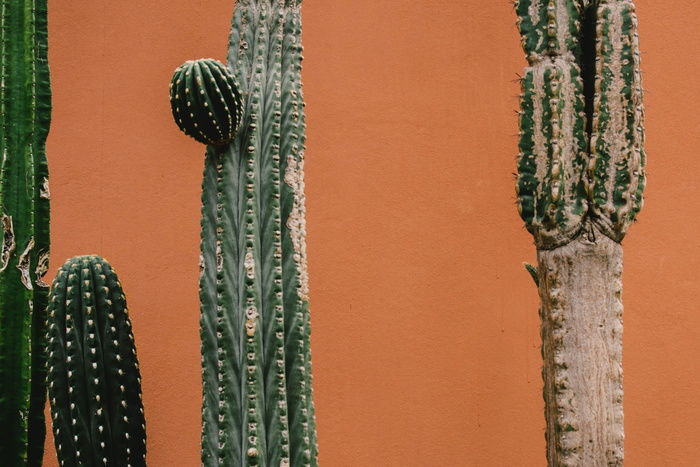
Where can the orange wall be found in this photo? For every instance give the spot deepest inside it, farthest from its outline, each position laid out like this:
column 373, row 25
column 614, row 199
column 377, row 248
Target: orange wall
column 425, row 327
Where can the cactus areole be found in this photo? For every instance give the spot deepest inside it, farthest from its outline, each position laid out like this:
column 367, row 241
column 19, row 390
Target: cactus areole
column 25, row 113
column 256, row 360
column 579, row 187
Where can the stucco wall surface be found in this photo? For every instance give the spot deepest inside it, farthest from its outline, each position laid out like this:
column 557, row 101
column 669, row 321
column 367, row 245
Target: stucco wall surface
column 425, row 329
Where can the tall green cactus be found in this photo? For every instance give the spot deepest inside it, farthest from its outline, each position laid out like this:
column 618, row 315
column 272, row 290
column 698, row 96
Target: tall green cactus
column 94, row 377
column 25, row 112
column 258, row 408
column 580, row 182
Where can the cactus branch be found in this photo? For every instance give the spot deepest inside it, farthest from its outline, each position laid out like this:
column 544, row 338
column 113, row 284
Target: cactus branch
column 25, row 112
column 94, row 377
column 579, row 186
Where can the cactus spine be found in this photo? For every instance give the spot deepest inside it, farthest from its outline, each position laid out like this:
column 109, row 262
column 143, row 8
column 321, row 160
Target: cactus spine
column 25, row 110
column 580, row 182
column 256, row 363
column 94, row 377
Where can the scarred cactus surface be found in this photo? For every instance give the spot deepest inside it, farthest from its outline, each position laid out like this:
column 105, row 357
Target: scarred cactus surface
column 25, row 114
column 205, row 101
column 94, row 376
column 579, row 186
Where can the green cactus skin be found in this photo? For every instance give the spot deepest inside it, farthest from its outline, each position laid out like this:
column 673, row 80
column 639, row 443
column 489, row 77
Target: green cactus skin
column 579, row 186
column 205, row 101
column 617, row 141
column 553, row 159
column 256, row 364
column 25, row 110
column 94, row 378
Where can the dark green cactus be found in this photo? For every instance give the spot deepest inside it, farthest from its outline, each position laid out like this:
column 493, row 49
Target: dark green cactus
column 25, row 111
column 205, row 101
column 94, row 377
column 580, row 162
column 258, row 408
column 580, row 182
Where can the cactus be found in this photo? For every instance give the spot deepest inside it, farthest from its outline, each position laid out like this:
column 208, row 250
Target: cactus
column 25, row 111
column 256, row 368
column 205, row 101
column 94, row 378
column 579, row 186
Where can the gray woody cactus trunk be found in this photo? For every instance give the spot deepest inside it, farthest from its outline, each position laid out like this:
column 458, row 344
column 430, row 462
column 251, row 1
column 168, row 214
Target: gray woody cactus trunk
column 25, row 111
column 258, row 407
column 580, row 182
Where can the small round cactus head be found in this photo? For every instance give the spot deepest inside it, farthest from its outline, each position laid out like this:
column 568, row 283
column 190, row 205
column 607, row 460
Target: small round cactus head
column 205, row 101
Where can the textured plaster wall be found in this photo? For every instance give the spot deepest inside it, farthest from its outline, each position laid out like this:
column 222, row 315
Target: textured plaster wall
column 425, row 328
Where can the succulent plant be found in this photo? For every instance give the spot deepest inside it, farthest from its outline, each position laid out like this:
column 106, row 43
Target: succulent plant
column 205, row 101
column 25, row 103
column 258, row 408
column 94, row 377
column 580, row 182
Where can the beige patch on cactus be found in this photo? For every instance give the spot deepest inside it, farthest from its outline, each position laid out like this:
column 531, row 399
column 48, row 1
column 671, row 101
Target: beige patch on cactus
column 44, row 191
column 8, row 241
column 42, row 267
column 23, row 265
column 294, row 177
column 249, row 264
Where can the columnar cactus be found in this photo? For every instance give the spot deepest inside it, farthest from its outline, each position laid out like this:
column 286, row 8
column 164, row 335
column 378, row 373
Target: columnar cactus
column 580, row 182
column 25, row 113
column 94, row 377
column 258, row 408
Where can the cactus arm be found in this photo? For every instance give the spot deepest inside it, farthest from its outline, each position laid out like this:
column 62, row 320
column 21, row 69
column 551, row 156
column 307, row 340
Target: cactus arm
column 552, row 159
column 94, row 378
column 617, row 142
column 24, row 210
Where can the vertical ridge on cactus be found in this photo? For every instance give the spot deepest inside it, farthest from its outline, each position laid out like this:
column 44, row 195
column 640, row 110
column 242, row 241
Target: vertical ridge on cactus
column 580, row 182
column 256, row 362
column 94, row 376
column 25, row 104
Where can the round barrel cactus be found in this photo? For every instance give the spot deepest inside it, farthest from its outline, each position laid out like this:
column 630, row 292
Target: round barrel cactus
column 205, row 101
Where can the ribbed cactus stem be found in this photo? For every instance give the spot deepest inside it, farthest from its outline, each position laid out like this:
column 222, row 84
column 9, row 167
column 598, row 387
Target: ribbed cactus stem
column 256, row 364
column 25, row 112
column 94, row 377
column 580, row 182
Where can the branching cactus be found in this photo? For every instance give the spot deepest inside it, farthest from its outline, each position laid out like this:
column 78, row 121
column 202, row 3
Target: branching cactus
column 94, row 377
column 579, row 186
column 258, row 408
column 25, row 112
